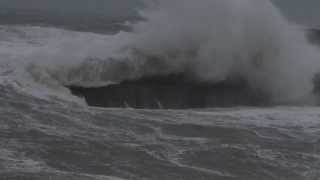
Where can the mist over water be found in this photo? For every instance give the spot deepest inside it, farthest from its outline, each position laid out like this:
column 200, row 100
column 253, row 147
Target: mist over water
column 207, row 41
column 214, row 40
column 210, row 76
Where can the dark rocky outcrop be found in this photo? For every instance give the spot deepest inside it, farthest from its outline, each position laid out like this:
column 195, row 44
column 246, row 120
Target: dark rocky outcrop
column 171, row 92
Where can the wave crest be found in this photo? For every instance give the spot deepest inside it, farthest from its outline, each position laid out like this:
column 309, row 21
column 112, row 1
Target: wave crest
column 207, row 40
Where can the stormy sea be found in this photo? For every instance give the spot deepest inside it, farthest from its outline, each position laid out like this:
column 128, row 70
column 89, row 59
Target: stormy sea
column 186, row 90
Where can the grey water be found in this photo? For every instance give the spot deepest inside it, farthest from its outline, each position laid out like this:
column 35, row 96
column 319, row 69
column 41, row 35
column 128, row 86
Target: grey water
column 43, row 139
column 46, row 133
column 87, row 22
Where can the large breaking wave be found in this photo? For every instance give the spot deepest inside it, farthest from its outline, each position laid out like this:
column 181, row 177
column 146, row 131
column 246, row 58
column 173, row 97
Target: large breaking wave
column 207, row 41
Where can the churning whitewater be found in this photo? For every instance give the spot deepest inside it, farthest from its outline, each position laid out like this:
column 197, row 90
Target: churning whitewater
column 207, row 41
column 180, row 54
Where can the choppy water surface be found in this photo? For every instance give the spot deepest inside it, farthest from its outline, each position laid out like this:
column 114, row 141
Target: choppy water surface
column 48, row 133
column 43, row 139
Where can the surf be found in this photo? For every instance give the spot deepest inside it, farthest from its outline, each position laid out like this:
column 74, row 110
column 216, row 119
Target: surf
column 207, row 41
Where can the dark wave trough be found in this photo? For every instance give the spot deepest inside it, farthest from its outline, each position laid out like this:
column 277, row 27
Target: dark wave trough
column 172, row 92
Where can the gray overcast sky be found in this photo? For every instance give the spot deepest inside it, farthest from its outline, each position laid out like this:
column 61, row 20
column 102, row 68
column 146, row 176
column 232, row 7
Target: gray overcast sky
column 302, row 11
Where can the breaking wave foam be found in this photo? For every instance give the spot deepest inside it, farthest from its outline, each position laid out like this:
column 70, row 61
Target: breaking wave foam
column 206, row 40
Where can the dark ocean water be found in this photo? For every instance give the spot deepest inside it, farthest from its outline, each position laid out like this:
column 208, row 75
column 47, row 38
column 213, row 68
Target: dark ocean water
column 53, row 137
column 86, row 22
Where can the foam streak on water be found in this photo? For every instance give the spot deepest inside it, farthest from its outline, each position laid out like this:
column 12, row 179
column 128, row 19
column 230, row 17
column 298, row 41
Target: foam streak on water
column 41, row 139
column 47, row 138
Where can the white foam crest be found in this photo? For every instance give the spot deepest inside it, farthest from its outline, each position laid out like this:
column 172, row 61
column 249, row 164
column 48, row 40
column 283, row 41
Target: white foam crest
column 207, row 40
column 247, row 38
column 32, row 57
